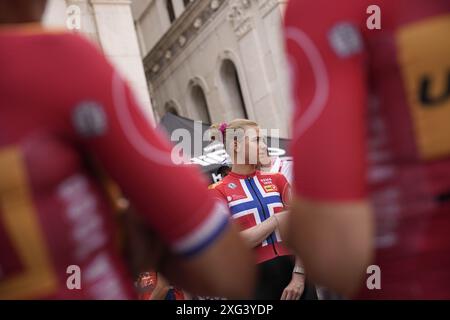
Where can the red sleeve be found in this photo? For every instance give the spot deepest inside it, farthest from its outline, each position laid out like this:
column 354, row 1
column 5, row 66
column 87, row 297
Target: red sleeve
column 216, row 193
column 326, row 56
column 284, row 188
column 108, row 123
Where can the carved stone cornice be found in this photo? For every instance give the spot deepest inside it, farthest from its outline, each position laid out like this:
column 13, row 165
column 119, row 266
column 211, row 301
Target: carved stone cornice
column 194, row 19
column 120, row 2
column 266, row 6
column 238, row 12
column 184, row 29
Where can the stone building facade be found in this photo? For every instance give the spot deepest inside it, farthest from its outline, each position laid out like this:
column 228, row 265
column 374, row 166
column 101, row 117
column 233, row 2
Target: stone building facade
column 209, row 60
column 215, row 60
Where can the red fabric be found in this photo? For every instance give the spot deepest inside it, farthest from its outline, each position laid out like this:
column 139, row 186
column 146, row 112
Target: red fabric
column 362, row 128
column 61, row 103
column 179, row 295
column 245, row 195
column 146, row 284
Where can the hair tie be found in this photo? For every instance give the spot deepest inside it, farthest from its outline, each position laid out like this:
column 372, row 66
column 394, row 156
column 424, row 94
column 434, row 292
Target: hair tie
column 223, row 126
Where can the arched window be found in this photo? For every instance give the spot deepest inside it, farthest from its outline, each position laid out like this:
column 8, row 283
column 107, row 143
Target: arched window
column 170, row 107
column 170, row 10
column 232, row 91
column 198, row 104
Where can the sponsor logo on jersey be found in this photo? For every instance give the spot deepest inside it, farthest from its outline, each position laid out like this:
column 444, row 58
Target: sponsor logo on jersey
column 89, row 119
column 232, row 185
column 235, row 197
column 270, row 188
column 424, row 52
column 345, row 39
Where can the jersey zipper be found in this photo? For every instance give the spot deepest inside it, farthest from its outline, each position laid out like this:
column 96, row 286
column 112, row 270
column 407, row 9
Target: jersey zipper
column 264, row 213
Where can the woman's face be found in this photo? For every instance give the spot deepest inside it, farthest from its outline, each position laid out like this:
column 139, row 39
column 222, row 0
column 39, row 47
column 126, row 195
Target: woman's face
column 252, row 148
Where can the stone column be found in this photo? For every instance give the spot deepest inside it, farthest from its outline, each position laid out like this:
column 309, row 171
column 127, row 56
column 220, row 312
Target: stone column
column 118, row 39
column 55, row 14
column 109, row 24
column 88, row 25
column 243, row 18
column 178, row 6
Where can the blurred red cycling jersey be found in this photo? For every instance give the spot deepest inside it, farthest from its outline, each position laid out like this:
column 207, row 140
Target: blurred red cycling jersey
column 252, row 199
column 62, row 103
column 372, row 121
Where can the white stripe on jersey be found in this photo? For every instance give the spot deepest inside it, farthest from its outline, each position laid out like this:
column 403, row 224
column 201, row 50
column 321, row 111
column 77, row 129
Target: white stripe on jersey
column 218, row 215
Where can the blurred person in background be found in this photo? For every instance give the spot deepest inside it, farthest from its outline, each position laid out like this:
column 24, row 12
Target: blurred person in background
column 153, row 286
column 65, row 115
column 275, row 164
column 371, row 145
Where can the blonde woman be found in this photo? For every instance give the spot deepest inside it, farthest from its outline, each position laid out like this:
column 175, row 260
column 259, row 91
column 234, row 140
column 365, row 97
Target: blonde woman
column 257, row 203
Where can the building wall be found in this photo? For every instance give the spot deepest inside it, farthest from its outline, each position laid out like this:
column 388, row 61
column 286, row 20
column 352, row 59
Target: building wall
column 190, row 53
column 109, row 24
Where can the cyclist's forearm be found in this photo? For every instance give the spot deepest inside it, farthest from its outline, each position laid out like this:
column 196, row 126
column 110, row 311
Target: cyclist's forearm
column 255, row 235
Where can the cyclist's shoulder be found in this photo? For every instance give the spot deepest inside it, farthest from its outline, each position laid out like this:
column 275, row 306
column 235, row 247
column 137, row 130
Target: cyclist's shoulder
column 216, row 185
column 276, row 178
column 264, row 174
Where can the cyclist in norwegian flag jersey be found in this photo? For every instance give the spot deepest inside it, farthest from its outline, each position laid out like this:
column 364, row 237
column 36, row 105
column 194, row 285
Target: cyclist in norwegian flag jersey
column 63, row 107
column 257, row 201
column 371, row 145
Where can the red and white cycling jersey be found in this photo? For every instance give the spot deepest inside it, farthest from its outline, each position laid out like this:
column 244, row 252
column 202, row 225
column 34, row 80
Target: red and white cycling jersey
column 252, row 199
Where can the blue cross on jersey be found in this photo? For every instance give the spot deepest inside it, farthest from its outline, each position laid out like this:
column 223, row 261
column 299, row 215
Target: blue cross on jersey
column 258, row 202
